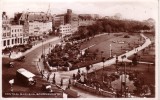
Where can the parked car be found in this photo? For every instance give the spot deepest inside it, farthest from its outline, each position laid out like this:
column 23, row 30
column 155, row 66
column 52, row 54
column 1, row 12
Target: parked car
column 21, row 58
column 46, row 88
column 11, row 64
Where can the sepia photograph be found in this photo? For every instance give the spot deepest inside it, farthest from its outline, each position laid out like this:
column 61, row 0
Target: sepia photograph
column 79, row 49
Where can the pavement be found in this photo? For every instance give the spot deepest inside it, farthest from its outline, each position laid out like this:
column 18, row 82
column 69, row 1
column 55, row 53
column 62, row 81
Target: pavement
column 66, row 75
column 99, row 65
column 15, row 55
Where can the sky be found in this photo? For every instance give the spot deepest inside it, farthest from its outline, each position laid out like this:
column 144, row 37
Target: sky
column 131, row 9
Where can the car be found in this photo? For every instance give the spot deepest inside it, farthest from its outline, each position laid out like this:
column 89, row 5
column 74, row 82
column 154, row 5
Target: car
column 11, row 64
column 121, row 42
column 21, row 58
column 46, row 88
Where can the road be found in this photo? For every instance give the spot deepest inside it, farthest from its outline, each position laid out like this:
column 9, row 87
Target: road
column 66, row 75
column 99, row 65
column 33, row 55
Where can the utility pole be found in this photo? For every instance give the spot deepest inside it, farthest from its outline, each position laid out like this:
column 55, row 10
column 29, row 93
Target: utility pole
column 110, row 47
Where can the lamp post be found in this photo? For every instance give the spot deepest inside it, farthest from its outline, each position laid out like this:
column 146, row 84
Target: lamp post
column 102, row 53
column 42, row 48
column 103, row 60
column 123, row 77
column 110, row 49
column 11, row 83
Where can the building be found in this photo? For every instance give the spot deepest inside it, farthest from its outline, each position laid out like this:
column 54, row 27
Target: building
column 65, row 30
column 37, row 28
column 6, row 34
column 12, row 34
column 79, row 20
column 75, row 20
column 58, row 20
column 35, row 24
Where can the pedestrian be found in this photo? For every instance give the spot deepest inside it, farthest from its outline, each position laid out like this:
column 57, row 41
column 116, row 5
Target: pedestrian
column 48, row 77
column 78, row 70
column 41, row 73
column 74, row 76
column 54, row 81
column 9, row 54
column 69, row 81
column 61, row 82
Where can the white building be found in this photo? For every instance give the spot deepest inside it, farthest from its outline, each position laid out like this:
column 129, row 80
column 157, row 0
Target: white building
column 37, row 28
column 65, row 29
column 12, row 35
column 35, row 23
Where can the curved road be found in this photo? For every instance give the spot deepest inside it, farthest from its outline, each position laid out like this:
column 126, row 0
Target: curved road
column 99, row 65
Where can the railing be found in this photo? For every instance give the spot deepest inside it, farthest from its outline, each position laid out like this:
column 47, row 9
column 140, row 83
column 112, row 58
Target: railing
column 95, row 91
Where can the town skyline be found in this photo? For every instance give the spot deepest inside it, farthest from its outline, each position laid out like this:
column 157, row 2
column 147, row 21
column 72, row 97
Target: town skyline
column 144, row 10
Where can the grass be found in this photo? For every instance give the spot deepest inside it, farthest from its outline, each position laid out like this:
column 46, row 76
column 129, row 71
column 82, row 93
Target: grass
column 102, row 44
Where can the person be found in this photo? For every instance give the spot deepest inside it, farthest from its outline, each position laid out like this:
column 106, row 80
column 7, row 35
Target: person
column 61, row 82
column 74, row 76
column 54, row 81
column 41, row 73
column 48, row 77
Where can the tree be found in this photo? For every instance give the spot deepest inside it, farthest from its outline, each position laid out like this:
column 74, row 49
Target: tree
column 108, row 28
column 135, row 60
column 87, row 68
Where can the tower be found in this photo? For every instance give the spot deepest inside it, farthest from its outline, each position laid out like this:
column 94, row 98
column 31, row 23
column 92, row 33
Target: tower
column 69, row 16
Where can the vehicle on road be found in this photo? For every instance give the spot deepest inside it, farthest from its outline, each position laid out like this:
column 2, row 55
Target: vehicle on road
column 11, row 64
column 46, row 88
column 22, row 58
column 26, row 77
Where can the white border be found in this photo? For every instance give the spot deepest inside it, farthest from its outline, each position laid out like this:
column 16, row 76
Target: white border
column 156, row 41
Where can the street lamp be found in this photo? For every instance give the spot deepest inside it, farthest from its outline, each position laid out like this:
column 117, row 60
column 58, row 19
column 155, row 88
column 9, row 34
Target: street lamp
column 123, row 77
column 103, row 60
column 102, row 53
column 11, row 83
column 110, row 49
column 42, row 48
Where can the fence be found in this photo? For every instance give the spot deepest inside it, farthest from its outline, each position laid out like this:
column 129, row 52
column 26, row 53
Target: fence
column 94, row 90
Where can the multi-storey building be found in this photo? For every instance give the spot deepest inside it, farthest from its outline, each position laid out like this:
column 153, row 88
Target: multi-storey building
column 35, row 23
column 65, row 29
column 16, row 35
column 12, row 34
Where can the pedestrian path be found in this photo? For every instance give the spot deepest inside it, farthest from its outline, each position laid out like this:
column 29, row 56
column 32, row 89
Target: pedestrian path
column 19, row 54
column 99, row 65
column 67, row 75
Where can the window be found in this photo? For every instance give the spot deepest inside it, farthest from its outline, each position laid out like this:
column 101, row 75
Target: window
column 20, row 40
column 12, row 30
column 12, row 41
column 15, row 30
column 15, row 40
column 4, row 34
column 4, row 43
column 8, row 42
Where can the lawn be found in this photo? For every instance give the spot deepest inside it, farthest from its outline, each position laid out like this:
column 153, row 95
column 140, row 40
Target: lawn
column 102, row 46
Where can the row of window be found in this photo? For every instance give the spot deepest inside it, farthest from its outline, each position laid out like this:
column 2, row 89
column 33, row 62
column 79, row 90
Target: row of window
column 65, row 27
column 39, row 25
column 6, row 34
column 16, row 30
column 6, row 28
column 13, row 41
column 65, row 30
